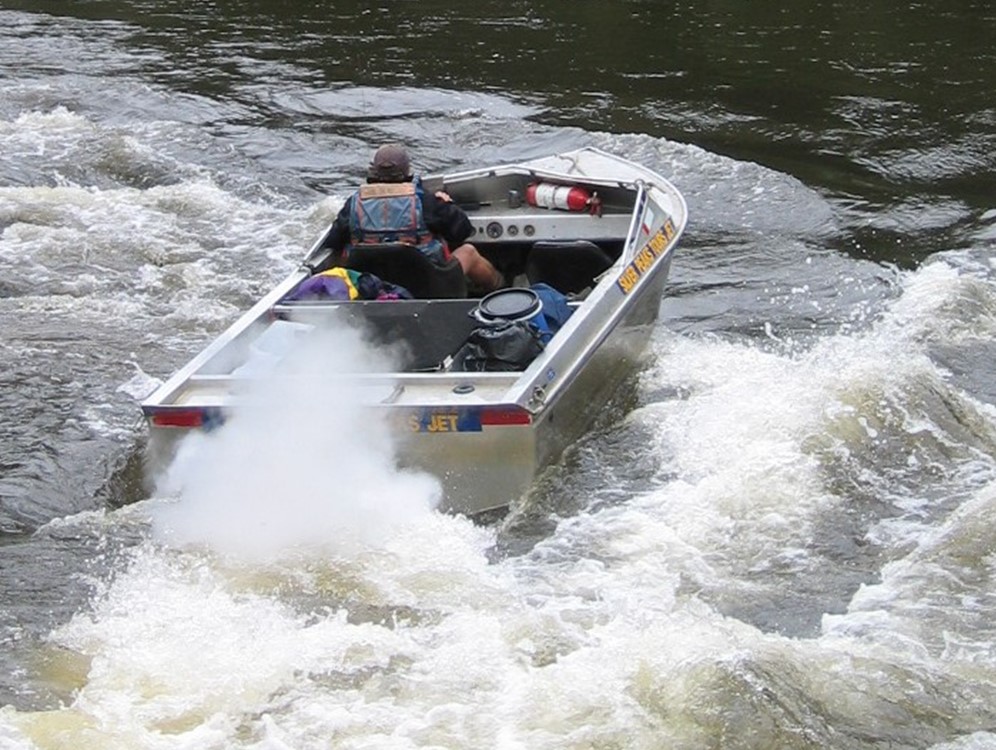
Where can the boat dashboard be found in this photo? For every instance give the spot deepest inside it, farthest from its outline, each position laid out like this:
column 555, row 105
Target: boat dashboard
column 522, row 207
column 495, row 226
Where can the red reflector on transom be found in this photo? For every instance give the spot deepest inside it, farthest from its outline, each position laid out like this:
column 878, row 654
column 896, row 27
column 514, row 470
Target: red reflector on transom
column 509, row 415
column 182, row 418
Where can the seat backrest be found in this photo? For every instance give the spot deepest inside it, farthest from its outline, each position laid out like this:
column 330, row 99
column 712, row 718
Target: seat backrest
column 406, row 266
column 569, row 266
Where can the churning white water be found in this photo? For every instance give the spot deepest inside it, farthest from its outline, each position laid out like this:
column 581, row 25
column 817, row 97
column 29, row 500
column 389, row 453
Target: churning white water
column 783, row 539
column 363, row 618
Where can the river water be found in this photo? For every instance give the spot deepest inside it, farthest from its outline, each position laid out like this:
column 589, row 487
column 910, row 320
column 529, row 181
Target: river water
column 779, row 534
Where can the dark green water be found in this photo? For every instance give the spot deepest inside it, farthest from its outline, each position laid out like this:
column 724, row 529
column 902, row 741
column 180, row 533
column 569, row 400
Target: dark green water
column 886, row 106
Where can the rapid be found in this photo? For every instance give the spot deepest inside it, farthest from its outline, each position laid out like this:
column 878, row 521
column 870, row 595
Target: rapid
column 778, row 534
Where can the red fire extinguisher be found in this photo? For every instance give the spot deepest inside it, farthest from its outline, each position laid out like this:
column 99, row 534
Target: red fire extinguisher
column 564, row 197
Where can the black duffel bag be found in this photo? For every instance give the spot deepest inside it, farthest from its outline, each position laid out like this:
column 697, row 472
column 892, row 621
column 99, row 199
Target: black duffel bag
column 499, row 347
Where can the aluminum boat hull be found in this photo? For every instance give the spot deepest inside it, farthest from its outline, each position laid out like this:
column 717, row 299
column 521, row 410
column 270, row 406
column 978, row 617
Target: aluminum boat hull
column 485, row 435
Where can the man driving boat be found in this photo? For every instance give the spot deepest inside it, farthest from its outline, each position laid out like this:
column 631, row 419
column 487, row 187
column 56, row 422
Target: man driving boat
column 392, row 207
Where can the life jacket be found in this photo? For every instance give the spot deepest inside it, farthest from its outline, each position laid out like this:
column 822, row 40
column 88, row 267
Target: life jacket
column 392, row 212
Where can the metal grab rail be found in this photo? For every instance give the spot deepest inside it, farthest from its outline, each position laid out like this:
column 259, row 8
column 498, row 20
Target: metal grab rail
column 633, row 233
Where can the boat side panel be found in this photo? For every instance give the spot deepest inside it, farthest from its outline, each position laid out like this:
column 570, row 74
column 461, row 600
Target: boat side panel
column 575, row 407
column 479, row 471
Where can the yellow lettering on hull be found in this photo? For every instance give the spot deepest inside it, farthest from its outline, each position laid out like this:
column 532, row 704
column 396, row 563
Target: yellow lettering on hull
column 648, row 255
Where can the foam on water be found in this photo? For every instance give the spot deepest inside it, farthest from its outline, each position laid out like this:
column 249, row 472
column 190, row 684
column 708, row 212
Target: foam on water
column 296, row 589
column 119, row 220
column 852, row 470
column 176, row 245
column 373, row 621
column 121, row 248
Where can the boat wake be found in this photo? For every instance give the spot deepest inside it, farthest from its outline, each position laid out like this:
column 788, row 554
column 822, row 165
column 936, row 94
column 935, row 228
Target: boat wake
column 781, row 535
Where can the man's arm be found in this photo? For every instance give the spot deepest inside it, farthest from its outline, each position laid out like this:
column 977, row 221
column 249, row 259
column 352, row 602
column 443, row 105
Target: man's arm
column 446, row 219
column 338, row 238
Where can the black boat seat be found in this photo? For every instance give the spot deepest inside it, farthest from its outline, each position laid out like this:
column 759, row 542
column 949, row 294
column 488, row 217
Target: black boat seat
column 569, row 266
column 406, row 266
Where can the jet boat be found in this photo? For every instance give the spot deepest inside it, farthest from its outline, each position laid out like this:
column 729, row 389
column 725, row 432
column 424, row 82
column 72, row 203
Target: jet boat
column 488, row 391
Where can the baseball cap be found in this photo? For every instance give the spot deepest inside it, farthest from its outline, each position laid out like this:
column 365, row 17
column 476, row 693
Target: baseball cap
column 390, row 163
